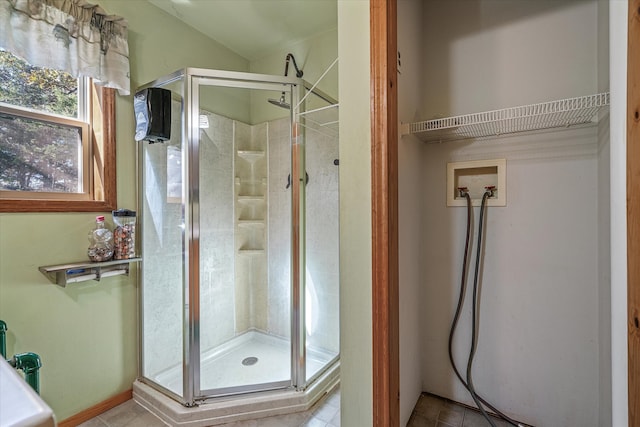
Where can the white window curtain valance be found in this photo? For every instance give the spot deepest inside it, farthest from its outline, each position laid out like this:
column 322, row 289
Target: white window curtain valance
column 70, row 35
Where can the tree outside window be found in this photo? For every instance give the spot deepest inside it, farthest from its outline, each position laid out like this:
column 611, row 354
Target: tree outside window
column 49, row 147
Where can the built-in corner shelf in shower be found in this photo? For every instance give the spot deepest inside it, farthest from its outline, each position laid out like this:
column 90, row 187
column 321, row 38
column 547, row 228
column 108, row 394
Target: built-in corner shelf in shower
column 250, row 199
column 65, row 274
column 251, row 252
column 547, row 115
column 251, row 222
column 251, row 155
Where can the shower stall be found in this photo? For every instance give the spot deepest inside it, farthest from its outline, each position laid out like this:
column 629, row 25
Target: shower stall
column 239, row 235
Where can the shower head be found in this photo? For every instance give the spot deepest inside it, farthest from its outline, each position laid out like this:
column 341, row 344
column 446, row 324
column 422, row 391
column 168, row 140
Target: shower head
column 282, row 103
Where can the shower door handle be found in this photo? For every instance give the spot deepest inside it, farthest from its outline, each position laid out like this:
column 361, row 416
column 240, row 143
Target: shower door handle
column 289, row 180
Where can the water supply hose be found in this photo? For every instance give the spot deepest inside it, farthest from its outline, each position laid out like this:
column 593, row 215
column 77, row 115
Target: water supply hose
column 476, row 397
column 474, row 337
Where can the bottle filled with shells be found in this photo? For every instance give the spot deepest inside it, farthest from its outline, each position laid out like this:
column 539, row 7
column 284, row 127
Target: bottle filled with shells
column 100, row 242
column 124, row 234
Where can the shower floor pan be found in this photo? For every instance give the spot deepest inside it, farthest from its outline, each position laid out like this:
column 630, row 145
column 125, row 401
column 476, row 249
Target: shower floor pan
column 251, row 358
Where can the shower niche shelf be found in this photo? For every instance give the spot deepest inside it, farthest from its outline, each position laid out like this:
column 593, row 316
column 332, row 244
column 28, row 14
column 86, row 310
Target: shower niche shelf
column 547, row 115
column 65, row 274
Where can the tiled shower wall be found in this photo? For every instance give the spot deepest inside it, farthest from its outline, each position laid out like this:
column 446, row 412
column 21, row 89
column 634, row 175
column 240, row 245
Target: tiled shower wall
column 162, row 245
column 279, row 229
column 322, row 242
column 216, row 232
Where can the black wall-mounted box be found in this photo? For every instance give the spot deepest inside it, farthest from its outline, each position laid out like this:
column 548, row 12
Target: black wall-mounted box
column 152, row 107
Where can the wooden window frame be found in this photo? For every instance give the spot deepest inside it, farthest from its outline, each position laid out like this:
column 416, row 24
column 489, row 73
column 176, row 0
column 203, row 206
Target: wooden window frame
column 82, row 126
column 102, row 165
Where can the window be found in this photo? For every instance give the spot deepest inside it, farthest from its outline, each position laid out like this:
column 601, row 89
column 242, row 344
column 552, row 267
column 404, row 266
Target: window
column 57, row 141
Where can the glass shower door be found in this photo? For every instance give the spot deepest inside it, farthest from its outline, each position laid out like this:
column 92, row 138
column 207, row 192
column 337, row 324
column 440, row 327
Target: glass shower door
column 244, row 333
column 322, row 277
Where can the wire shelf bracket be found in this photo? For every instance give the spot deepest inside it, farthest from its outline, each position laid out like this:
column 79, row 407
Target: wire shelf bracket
column 547, row 115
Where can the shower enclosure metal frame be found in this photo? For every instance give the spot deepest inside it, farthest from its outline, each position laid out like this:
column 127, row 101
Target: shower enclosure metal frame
column 192, row 79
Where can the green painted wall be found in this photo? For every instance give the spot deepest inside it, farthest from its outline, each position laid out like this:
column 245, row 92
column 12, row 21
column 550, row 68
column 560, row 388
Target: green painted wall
column 87, row 333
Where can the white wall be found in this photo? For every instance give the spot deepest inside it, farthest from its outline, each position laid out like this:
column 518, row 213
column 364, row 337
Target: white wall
column 604, row 223
column 355, row 215
column 538, row 354
column 604, row 271
column 488, row 54
column 618, row 71
column 409, row 206
column 540, row 345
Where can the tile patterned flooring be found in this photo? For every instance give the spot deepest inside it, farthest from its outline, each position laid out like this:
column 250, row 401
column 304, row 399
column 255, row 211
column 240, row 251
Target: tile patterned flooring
column 325, row 413
column 430, row 411
column 434, row 411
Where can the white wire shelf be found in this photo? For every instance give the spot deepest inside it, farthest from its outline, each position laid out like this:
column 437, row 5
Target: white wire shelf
column 546, row 115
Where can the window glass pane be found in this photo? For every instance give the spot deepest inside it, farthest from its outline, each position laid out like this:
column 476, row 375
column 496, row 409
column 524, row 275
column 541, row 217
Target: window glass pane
column 41, row 89
column 39, row 156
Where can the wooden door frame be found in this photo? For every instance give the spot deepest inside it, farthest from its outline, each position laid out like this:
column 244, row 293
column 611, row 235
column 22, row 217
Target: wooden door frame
column 384, row 213
column 633, row 210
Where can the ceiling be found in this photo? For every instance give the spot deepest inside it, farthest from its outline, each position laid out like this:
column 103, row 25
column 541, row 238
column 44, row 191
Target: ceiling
column 254, row 28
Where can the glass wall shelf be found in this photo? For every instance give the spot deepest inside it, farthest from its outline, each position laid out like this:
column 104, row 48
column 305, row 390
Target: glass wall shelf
column 64, row 274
